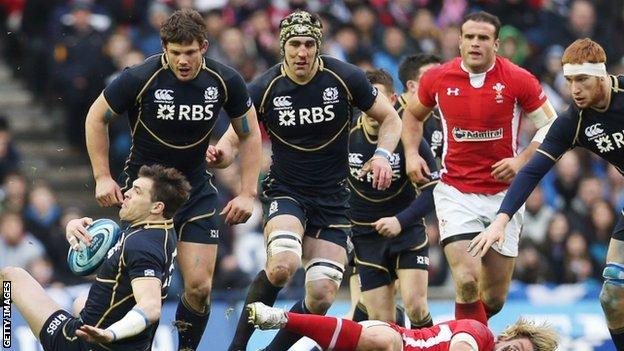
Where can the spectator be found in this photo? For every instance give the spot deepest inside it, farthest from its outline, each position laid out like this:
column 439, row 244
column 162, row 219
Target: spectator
column 388, row 59
column 78, row 59
column 19, row 248
column 537, row 216
column 42, row 214
column 531, row 267
column 14, row 192
column 554, row 246
column 423, row 32
column 147, row 37
column 578, row 265
column 602, row 221
column 9, row 157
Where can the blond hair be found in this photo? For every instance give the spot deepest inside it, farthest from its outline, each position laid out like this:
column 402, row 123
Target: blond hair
column 542, row 336
column 584, row 50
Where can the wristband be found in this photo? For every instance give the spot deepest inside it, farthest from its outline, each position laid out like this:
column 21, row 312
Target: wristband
column 383, row 152
column 133, row 323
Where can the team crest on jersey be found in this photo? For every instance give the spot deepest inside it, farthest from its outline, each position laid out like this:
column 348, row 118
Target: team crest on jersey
column 330, row 95
column 461, row 135
column 498, row 87
column 211, row 94
column 163, row 96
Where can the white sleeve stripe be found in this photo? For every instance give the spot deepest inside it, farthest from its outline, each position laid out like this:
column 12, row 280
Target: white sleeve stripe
column 334, row 338
column 467, row 338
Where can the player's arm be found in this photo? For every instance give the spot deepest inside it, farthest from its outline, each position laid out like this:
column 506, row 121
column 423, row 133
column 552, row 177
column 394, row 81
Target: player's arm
column 244, row 135
column 146, row 292
column 422, row 205
column 107, row 191
column 389, row 135
column 414, row 115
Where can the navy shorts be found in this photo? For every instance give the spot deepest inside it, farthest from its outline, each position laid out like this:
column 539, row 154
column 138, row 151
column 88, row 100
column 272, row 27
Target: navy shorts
column 323, row 216
column 618, row 231
column 58, row 333
column 378, row 258
column 197, row 220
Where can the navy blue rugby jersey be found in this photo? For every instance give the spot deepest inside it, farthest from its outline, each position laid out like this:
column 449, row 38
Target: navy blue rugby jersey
column 145, row 250
column 367, row 203
column 309, row 124
column 171, row 120
column 432, row 128
column 599, row 131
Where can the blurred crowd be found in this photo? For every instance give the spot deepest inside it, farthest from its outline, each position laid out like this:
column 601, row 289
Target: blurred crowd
column 65, row 52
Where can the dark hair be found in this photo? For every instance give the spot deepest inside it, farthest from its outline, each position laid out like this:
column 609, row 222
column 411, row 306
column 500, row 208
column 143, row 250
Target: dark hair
column 486, row 17
column 170, row 186
column 380, row 76
column 182, row 27
column 410, row 66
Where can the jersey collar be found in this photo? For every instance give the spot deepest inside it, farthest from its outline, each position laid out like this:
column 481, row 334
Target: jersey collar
column 162, row 224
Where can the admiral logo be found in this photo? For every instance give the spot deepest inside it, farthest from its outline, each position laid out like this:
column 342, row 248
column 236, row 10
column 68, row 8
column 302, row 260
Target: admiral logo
column 163, row 96
column 330, row 95
column 282, row 102
column 461, row 135
column 211, row 94
column 594, row 130
column 452, row 91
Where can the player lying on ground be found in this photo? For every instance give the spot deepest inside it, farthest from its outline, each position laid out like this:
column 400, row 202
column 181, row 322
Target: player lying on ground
column 339, row 334
column 124, row 304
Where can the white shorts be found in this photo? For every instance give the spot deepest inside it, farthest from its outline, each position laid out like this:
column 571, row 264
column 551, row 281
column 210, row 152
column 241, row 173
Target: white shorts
column 465, row 213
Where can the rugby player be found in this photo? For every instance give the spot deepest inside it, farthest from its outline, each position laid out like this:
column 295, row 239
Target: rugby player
column 481, row 98
column 338, row 334
column 173, row 100
column 306, row 104
column 388, row 230
column 595, row 124
column 124, row 303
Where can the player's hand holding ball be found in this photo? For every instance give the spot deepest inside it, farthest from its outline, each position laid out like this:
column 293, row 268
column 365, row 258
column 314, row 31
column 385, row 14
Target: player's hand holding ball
column 388, row 227
column 76, row 232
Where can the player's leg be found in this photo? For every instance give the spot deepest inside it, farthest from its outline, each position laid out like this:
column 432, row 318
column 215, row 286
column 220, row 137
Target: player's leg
column 196, row 262
column 324, row 272
column 413, row 285
column 197, row 228
column 498, row 264
column 612, row 294
column 329, row 332
column 29, row 297
column 283, row 232
column 459, row 222
column 496, row 273
column 354, row 293
column 380, row 303
column 465, row 270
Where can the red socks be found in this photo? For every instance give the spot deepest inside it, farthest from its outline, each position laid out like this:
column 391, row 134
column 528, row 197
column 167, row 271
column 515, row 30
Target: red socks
column 329, row 332
column 473, row 310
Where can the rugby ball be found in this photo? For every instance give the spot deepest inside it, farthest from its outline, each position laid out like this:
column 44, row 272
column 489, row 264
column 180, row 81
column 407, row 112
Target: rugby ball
column 104, row 235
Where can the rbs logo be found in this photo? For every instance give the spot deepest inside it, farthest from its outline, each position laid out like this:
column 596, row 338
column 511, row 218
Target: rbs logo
column 306, row 116
column 185, row 112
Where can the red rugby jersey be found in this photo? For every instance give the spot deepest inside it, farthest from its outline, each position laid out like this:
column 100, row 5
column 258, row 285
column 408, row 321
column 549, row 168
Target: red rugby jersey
column 480, row 118
column 438, row 337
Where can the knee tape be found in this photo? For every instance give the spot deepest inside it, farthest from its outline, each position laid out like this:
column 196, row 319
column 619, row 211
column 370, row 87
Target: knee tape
column 282, row 240
column 613, row 273
column 320, row 268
